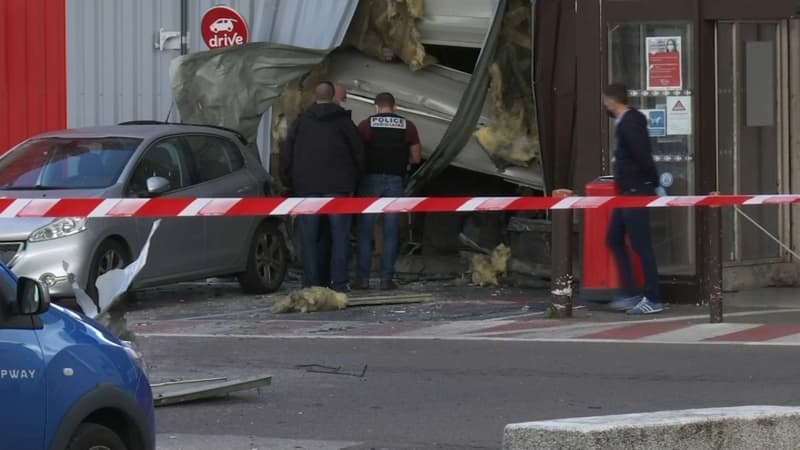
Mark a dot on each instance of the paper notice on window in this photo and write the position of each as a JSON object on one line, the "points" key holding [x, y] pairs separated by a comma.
{"points": [[679, 116], [656, 122], [664, 63]]}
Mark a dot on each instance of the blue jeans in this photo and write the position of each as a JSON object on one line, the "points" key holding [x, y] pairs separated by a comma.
{"points": [[339, 250], [635, 223], [377, 185]]}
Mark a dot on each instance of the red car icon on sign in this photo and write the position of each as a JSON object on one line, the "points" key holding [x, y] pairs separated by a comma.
{"points": [[222, 24]]}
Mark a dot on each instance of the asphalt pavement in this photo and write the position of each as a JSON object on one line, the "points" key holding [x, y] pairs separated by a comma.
{"points": [[445, 394], [442, 375]]}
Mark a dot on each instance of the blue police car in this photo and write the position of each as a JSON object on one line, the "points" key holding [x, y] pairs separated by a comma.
{"points": [[66, 382]]}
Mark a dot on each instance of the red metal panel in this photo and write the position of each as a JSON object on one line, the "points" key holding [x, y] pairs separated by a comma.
{"points": [[33, 68]]}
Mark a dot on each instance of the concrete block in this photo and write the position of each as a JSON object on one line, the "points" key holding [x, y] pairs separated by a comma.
{"points": [[737, 428]]}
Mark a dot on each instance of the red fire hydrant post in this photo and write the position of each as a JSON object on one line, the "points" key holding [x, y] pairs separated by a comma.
{"points": [[561, 257], [713, 263]]}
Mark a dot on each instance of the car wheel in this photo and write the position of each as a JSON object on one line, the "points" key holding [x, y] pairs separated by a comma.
{"points": [[109, 256], [91, 436], [267, 261]]}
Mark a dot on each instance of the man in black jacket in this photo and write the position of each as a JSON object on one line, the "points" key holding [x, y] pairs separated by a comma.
{"points": [[323, 156], [636, 175]]}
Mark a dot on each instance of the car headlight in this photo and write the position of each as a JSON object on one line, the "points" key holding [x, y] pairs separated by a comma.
{"points": [[59, 229], [134, 353]]}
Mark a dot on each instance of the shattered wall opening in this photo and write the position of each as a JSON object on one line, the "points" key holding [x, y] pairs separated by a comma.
{"points": [[459, 58], [383, 50], [513, 140], [385, 29]]}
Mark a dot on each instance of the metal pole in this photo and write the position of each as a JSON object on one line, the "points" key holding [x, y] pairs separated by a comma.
{"points": [[184, 27], [713, 264], [561, 254]]}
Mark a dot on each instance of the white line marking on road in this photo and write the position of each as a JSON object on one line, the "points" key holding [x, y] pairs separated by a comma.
{"points": [[456, 339], [699, 332]]}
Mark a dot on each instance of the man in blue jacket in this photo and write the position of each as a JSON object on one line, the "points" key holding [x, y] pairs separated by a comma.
{"points": [[636, 175]]}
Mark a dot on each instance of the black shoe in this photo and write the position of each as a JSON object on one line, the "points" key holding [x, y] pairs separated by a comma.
{"points": [[360, 285], [342, 289], [388, 285]]}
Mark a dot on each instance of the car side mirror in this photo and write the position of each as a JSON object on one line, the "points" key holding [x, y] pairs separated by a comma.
{"points": [[157, 185], [32, 297]]}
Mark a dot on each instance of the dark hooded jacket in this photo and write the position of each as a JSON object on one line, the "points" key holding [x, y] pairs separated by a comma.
{"points": [[323, 153], [634, 169]]}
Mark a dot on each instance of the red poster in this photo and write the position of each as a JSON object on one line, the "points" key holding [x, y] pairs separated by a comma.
{"points": [[664, 71]]}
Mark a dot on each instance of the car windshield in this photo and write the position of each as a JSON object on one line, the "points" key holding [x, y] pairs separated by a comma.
{"points": [[58, 163]]}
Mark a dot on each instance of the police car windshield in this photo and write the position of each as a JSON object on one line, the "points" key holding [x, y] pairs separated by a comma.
{"points": [[56, 163]]}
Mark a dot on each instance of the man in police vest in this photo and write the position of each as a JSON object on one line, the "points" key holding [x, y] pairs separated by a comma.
{"points": [[392, 144]]}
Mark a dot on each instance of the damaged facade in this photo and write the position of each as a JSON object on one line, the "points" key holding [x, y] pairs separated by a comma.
{"points": [[468, 85], [481, 121]]}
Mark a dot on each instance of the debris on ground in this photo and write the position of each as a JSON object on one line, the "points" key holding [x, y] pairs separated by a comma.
{"points": [[311, 300], [192, 390], [328, 370], [486, 269], [397, 299], [112, 288]]}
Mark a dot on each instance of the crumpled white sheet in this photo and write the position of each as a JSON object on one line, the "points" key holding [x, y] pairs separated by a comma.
{"points": [[112, 285]]}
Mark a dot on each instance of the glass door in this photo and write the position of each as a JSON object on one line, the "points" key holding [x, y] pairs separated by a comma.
{"points": [[655, 61], [751, 102]]}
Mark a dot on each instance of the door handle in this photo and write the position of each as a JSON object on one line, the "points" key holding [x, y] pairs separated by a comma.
{"points": [[244, 190]]}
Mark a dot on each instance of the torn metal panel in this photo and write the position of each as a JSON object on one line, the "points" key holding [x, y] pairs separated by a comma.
{"points": [[455, 23], [192, 390], [111, 289], [513, 138], [385, 29], [462, 126], [430, 98], [233, 87]]}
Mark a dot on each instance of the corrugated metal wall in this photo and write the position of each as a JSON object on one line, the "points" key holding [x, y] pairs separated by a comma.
{"points": [[32, 69], [115, 73]]}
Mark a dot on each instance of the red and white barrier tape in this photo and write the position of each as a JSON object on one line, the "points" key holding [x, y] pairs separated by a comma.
{"points": [[210, 207]]}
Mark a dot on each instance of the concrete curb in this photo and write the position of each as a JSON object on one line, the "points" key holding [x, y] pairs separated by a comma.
{"points": [[737, 428]]}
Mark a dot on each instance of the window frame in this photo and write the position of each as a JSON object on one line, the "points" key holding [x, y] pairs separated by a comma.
{"points": [[188, 160], [229, 142]]}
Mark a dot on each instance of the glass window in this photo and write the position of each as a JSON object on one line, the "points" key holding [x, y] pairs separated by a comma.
{"points": [[214, 157], [751, 126], [57, 163], [164, 159], [655, 62]]}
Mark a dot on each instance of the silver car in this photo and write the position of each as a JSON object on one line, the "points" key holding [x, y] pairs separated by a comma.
{"points": [[140, 159]]}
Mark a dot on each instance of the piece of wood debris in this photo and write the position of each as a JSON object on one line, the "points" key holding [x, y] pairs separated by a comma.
{"points": [[399, 299]]}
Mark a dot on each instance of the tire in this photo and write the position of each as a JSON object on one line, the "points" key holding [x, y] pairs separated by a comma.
{"points": [[91, 436], [267, 261], [110, 255]]}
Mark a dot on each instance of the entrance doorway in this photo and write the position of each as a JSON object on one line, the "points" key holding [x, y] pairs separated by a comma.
{"points": [[752, 127]]}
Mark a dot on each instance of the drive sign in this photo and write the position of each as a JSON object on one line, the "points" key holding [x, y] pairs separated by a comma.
{"points": [[224, 27]]}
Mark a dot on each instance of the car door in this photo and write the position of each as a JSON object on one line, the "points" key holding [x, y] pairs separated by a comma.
{"points": [[221, 171], [177, 250], [22, 376]]}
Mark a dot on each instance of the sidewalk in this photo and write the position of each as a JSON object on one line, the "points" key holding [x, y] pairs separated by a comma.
{"points": [[765, 317]]}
